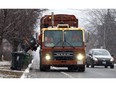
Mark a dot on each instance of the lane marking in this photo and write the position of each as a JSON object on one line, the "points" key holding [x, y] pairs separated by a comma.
{"points": [[64, 73], [67, 75]]}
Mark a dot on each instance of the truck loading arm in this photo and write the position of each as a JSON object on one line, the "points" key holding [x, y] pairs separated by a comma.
{"points": [[29, 44]]}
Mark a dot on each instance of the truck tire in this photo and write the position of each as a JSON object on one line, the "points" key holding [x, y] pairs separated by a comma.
{"points": [[44, 68], [70, 68], [81, 68], [73, 68], [41, 68]]}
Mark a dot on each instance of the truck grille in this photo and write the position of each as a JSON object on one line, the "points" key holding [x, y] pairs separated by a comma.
{"points": [[63, 55]]}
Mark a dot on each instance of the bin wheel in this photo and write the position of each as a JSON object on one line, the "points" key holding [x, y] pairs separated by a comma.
{"points": [[12, 68]]}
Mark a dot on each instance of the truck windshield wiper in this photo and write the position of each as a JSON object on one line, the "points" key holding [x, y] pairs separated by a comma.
{"points": [[57, 43], [63, 42], [69, 44]]}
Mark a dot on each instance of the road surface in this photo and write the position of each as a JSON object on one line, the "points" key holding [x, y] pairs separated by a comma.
{"points": [[56, 72], [97, 72]]}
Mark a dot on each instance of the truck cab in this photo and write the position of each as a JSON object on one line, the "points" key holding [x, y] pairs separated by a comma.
{"points": [[62, 47]]}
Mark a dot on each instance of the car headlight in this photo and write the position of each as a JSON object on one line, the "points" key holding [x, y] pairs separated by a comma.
{"points": [[95, 59], [80, 56], [112, 59], [47, 57]]}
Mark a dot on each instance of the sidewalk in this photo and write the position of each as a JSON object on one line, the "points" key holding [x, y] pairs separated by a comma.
{"points": [[6, 72]]}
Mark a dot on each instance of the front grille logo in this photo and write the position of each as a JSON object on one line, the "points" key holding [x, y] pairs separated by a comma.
{"points": [[63, 54]]}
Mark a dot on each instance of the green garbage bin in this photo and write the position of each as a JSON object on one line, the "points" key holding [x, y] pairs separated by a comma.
{"points": [[20, 60], [27, 60]]}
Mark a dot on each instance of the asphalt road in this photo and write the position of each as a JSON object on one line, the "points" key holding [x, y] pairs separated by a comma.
{"points": [[56, 72]]}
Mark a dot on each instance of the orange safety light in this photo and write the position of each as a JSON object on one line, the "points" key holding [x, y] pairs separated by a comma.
{"points": [[50, 17]]}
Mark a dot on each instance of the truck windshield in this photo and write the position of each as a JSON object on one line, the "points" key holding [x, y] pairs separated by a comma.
{"points": [[53, 37], [74, 37]]}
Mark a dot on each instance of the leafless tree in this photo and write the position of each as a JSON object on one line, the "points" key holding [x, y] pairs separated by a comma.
{"points": [[15, 24], [101, 24]]}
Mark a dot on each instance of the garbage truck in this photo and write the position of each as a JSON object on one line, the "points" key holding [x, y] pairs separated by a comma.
{"points": [[62, 42]]}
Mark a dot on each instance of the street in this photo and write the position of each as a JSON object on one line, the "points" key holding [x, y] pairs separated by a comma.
{"points": [[62, 72], [56, 72]]}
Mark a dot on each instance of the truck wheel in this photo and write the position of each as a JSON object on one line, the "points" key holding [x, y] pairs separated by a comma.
{"points": [[81, 68], [44, 68], [72, 68], [112, 66], [47, 68], [41, 68]]}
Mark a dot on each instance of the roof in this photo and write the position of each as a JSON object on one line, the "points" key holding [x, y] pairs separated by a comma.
{"points": [[98, 49]]}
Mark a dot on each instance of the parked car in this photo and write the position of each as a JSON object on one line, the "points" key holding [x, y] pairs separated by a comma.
{"points": [[99, 57]]}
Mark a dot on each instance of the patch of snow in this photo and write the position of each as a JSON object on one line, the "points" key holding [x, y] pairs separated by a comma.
{"points": [[35, 64], [5, 63]]}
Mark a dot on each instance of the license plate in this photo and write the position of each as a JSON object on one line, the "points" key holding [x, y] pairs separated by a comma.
{"points": [[103, 62], [80, 62]]}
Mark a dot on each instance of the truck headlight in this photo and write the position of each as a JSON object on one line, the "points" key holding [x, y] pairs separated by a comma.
{"points": [[80, 56], [47, 57]]}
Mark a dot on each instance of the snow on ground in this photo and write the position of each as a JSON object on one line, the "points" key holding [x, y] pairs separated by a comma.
{"points": [[2, 63], [6, 72], [36, 59]]}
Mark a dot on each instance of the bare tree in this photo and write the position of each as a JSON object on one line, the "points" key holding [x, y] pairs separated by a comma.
{"points": [[3, 27], [103, 23], [15, 24]]}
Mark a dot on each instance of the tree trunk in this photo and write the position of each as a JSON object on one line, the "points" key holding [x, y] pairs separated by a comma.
{"points": [[15, 46]]}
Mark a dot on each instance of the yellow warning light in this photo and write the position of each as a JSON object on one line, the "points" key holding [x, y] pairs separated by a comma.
{"points": [[50, 17]]}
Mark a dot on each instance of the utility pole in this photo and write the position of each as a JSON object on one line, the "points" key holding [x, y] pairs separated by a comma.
{"points": [[104, 42], [105, 27]]}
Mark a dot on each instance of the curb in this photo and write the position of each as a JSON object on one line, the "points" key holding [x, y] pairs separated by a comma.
{"points": [[26, 72]]}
